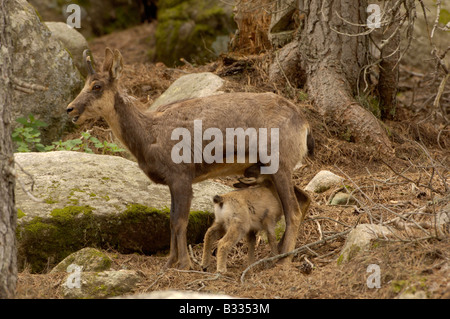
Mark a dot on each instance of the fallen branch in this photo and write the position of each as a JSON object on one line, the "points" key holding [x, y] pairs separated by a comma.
{"points": [[293, 252]]}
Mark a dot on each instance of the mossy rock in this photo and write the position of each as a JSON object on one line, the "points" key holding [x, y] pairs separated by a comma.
{"points": [[90, 259], [97, 201], [43, 242], [102, 284], [190, 29]]}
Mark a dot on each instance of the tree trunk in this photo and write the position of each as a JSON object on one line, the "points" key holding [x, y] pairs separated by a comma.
{"points": [[330, 61], [8, 215], [389, 68]]}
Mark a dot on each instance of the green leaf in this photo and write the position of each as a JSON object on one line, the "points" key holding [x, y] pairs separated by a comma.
{"points": [[22, 120], [39, 123], [23, 148], [40, 147]]}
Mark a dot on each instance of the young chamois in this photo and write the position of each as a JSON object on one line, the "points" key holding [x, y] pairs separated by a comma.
{"points": [[242, 213], [152, 138]]}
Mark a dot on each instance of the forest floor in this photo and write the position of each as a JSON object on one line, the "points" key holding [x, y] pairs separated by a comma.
{"points": [[413, 183]]}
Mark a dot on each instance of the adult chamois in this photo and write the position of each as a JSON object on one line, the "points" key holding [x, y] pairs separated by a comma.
{"points": [[153, 137]]}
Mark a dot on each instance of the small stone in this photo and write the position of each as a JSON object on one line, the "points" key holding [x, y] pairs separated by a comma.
{"points": [[323, 181], [343, 199], [359, 240], [100, 284], [416, 295], [90, 259]]}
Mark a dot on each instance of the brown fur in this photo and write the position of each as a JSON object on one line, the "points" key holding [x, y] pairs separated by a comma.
{"points": [[242, 213], [148, 136]]}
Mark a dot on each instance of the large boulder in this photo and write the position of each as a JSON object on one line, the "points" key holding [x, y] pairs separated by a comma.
{"points": [[97, 201], [72, 40], [41, 59], [190, 86]]}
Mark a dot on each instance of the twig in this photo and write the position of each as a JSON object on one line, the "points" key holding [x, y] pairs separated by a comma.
{"points": [[436, 21], [293, 252], [26, 87], [38, 200], [324, 217], [284, 74], [192, 255], [320, 229]]}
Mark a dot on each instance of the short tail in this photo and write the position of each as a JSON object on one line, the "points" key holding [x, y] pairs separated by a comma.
{"points": [[303, 200], [218, 199]]}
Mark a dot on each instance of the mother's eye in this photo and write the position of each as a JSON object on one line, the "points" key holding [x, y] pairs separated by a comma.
{"points": [[96, 87]]}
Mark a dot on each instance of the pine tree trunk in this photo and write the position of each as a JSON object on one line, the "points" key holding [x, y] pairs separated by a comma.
{"points": [[8, 215], [330, 62], [389, 69]]}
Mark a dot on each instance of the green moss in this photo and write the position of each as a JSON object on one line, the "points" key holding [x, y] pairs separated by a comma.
{"points": [[46, 241], [50, 200], [136, 212], [353, 251], [348, 135], [68, 213], [124, 17], [92, 260], [410, 285], [302, 95], [187, 28], [340, 259], [370, 103], [398, 285], [20, 213]]}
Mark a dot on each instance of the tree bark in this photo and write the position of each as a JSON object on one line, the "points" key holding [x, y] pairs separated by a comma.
{"points": [[8, 215], [331, 61], [389, 68]]}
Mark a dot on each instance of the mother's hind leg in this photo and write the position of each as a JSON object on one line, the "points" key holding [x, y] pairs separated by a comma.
{"points": [[285, 189]]}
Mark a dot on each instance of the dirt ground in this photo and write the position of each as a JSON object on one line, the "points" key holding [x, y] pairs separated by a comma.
{"points": [[413, 183]]}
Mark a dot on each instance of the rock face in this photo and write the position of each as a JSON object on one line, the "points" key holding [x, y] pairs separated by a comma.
{"points": [[192, 29], [98, 201], [40, 59], [190, 86], [323, 181], [72, 40]]}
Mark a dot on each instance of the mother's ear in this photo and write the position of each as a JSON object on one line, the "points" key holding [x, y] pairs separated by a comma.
{"points": [[113, 63]]}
